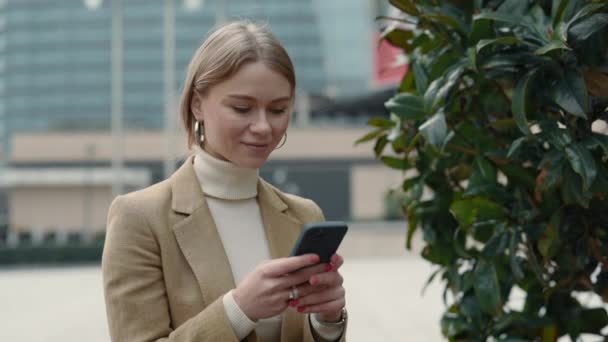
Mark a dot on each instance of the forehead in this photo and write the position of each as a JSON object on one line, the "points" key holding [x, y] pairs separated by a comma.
{"points": [[255, 80]]}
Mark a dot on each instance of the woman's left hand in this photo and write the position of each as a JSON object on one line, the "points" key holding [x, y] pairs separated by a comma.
{"points": [[324, 293]]}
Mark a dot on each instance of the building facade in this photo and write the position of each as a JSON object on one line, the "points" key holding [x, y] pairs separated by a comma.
{"points": [[55, 56]]}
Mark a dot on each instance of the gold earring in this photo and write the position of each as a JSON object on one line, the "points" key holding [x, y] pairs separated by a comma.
{"points": [[283, 143], [199, 131]]}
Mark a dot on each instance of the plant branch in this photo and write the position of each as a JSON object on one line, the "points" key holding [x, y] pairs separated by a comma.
{"points": [[597, 253]]}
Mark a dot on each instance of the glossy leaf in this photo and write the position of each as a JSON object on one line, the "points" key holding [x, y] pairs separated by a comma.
{"points": [[406, 106], [570, 93], [407, 6], [513, 258], [452, 325], [572, 190], [582, 162], [521, 105], [487, 288], [549, 243], [395, 163], [560, 12], [516, 146], [370, 136], [422, 79], [583, 29], [435, 129], [552, 46], [484, 43], [380, 122], [477, 209], [397, 37], [381, 143]]}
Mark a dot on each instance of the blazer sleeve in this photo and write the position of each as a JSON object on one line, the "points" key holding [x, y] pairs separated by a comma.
{"points": [[136, 302]]}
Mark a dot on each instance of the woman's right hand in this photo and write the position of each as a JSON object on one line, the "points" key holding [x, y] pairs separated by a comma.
{"points": [[265, 291]]}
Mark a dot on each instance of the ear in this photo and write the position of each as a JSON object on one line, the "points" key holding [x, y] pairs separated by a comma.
{"points": [[196, 107]]}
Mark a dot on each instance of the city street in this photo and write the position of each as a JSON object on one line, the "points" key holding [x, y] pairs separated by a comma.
{"points": [[382, 280]]}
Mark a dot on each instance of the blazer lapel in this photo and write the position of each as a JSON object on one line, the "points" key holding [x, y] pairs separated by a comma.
{"points": [[282, 231], [197, 236]]}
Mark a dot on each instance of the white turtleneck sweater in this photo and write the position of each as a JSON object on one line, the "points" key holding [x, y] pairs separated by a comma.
{"points": [[231, 193]]}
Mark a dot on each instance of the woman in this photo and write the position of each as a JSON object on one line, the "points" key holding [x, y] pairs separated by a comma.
{"points": [[202, 256]]}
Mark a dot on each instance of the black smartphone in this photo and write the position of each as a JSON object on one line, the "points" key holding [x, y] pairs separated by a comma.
{"points": [[321, 238]]}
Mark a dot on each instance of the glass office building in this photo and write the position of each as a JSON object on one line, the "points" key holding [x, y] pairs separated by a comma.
{"points": [[55, 55]]}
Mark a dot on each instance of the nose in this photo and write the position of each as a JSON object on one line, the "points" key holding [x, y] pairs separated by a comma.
{"points": [[261, 125]]}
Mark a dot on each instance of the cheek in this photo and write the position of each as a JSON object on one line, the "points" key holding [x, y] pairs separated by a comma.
{"points": [[280, 126]]}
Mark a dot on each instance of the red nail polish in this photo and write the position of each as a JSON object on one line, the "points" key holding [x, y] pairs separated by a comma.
{"points": [[328, 267], [294, 302], [301, 309]]}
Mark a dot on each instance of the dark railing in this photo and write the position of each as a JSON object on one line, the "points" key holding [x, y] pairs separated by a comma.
{"points": [[49, 247]]}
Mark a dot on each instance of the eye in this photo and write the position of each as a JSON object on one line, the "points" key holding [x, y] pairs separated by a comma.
{"points": [[242, 110], [278, 110]]}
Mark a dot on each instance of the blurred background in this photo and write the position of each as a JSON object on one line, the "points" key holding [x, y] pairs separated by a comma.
{"points": [[88, 110]]}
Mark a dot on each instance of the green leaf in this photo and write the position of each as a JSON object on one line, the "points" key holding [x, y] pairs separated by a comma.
{"points": [[497, 243], [397, 37], [487, 289], [513, 262], [477, 209], [407, 6], [395, 163], [452, 324], [552, 46], [496, 41], [516, 146], [560, 12], [422, 79], [437, 93], [597, 140], [520, 105], [558, 137], [370, 136], [447, 20], [406, 106], [582, 162], [584, 29], [554, 175], [435, 129], [549, 243], [572, 190], [506, 18], [380, 122], [485, 169], [481, 29], [380, 144], [570, 93]]}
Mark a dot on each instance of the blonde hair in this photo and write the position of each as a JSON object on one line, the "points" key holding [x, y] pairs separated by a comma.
{"points": [[222, 54]]}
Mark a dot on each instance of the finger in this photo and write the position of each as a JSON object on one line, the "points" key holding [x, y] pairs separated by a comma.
{"points": [[327, 295], [303, 291], [328, 278], [279, 267], [336, 261], [331, 306], [303, 275]]}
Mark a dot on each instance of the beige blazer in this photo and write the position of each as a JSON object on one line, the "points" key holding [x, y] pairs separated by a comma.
{"points": [[165, 269]]}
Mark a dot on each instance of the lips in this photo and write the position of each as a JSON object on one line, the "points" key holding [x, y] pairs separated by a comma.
{"points": [[256, 145]]}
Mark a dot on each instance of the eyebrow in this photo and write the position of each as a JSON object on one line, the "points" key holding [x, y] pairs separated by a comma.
{"points": [[251, 98]]}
